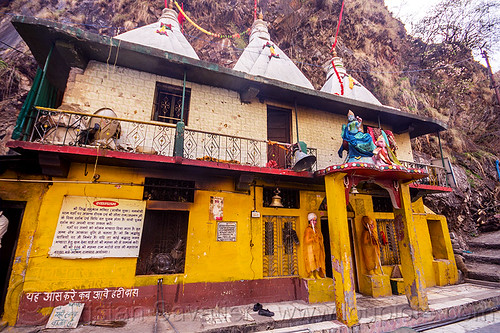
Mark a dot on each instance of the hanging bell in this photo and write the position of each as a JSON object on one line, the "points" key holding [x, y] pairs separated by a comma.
{"points": [[276, 200], [302, 161]]}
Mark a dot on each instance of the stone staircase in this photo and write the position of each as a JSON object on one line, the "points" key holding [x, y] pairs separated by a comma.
{"points": [[483, 261]]}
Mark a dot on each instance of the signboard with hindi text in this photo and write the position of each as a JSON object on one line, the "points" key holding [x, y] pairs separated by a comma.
{"points": [[98, 227], [226, 231]]}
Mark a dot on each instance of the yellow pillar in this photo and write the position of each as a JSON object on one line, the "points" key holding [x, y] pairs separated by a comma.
{"points": [[343, 285], [411, 260]]}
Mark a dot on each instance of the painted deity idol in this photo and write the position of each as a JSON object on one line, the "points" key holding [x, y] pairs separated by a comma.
{"points": [[359, 145], [380, 154], [370, 246], [314, 250]]}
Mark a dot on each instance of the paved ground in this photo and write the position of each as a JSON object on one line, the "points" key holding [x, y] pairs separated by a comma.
{"points": [[382, 314], [489, 323]]}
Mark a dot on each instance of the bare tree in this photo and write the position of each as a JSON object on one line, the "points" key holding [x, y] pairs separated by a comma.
{"points": [[469, 24]]}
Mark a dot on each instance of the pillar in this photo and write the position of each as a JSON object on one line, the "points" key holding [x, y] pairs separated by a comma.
{"points": [[409, 252], [343, 279]]}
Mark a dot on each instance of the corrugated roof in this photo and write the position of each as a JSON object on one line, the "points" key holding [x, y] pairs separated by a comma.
{"points": [[165, 35], [264, 58]]}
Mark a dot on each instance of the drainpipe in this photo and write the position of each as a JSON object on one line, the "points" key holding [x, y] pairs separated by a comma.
{"points": [[179, 129], [442, 158], [42, 81]]}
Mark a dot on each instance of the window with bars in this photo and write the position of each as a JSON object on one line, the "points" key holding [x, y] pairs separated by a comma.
{"points": [[168, 190], [280, 246], [290, 198], [389, 250], [168, 103], [163, 243], [382, 205]]}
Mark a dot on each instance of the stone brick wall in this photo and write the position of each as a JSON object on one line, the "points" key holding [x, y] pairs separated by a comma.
{"points": [[130, 94]]}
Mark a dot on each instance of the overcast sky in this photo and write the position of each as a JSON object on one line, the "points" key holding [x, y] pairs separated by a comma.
{"points": [[412, 10]]}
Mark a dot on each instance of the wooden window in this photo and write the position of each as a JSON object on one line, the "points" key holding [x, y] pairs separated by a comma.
{"points": [[279, 246], [163, 243], [168, 103]]}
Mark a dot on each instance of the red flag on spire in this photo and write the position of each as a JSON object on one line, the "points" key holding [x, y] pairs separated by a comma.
{"points": [[181, 18]]}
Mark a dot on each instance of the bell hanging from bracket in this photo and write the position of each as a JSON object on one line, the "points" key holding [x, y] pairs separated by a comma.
{"points": [[302, 161], [276, 200]]}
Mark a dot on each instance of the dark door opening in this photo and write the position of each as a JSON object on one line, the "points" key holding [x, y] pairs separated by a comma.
{"points": [[278, 130], [14, 211], [350, 223], [326, 242]]}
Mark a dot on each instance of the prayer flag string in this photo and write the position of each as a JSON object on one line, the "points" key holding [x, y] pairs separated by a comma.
{"points": [[236, 35]]}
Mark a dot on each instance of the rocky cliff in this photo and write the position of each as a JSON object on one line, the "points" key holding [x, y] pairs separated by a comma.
{"points": [[400, 70]]}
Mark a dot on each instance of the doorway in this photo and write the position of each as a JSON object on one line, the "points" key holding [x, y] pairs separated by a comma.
{"points": [[278, 130], [326, 242], [328, 253], [14, 211]]}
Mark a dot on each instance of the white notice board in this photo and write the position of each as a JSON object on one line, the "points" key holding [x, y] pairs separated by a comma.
{"points": [[98, 227]]}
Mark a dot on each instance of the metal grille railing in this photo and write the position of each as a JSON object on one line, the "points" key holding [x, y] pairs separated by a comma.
{"points": [[223, 148], [389, 250], [69, 128], [437, 174], [279, 247]]}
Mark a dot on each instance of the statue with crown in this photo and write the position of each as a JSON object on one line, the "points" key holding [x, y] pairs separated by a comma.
{"points": [[359, 145], [363, 147]]}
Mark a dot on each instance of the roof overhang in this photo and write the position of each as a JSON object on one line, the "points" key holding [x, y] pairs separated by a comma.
{"points": [[75, 48]]}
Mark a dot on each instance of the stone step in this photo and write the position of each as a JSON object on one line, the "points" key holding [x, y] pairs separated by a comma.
{"points": [[489, 240], [486, 272], [323, 327], [483, 245], [489, 256]]}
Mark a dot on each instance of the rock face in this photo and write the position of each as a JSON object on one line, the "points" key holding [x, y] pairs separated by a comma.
{"points": [[399, 70]]}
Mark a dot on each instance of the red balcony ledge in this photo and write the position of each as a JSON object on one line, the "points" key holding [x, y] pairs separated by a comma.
{"points": [[131, 159]]}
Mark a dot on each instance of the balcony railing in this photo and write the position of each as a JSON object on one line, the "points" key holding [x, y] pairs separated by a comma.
{"points": [[437, 174], [68, 128]]}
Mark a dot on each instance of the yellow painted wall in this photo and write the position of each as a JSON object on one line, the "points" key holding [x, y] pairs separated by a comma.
{"points": [[204, 255], [32, 194], [362, 205]]}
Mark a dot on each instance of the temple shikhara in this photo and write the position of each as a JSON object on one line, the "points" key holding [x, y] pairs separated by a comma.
{"points": [[140, 166]]}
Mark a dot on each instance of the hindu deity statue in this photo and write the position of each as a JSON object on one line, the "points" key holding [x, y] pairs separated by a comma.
{"points": [[314, 250], [380, 154], [359, 145], [370, 246]]}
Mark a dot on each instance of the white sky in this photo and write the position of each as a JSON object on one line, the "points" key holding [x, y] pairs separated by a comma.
{"points": [[412, 10]]}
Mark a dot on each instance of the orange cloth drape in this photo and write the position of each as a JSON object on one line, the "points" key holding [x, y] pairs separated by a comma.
{"points": [[314, 251]]}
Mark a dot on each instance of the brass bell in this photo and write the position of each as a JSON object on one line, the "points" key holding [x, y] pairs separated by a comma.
{"points": [[276, 202]]}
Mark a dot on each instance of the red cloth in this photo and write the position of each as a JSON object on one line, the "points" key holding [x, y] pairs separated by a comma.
{"points": [[181, 18]]}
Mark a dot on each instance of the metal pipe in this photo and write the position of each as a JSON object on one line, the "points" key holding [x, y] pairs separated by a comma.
{"points": [[442, 158], [40, 87], [297, 122], [183, 96], [89, 182]]}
